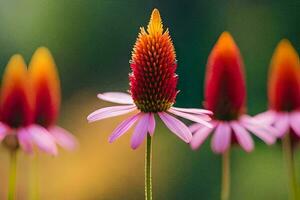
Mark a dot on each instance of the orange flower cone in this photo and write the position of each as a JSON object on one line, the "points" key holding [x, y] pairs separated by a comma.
{"points": [[284, 91], [225, 96], [46, 96], [16, 111]]}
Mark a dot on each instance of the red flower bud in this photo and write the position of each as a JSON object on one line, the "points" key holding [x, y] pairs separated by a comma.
{"points": [[46, 87], [153, 80], [284, 78], [16, 102], [225, 91]]}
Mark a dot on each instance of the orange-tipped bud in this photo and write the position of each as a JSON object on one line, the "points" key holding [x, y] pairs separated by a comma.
{"points": [[46, 87], [284, 78], [153, 80], [225, 91], [16, 102]]}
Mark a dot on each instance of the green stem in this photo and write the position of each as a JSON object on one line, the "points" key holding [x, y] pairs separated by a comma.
{"points": [[290, 166], [148, 169], [34, 178], [12, 175], [225, 190]]}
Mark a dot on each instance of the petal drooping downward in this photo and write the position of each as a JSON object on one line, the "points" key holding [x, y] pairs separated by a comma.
{"points": [[46, 87], [284, 78], [176, 126], [16, 101], [225, 91], [140, 131], [153, 80]]}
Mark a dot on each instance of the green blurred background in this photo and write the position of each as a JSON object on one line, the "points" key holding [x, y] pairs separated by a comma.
{"points": [[91, 41]]}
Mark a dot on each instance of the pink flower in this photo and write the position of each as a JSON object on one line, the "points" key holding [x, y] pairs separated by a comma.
{"points": [[152, 90], [46, 97], [16, 107], [29, 105], [284, 92], [225, 96]]}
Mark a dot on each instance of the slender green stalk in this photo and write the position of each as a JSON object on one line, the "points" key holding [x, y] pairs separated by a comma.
{"points": [[12, 175], [148, 169], [34, 178], [290, 166], [225, 190]]}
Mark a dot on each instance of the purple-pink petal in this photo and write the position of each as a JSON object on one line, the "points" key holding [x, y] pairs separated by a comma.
{"points": [[222, 138], [123, 127], [200, 136], [264, 132], [295, 122], [282, 123], [3, 131], [176, 126], [196, 118], [63, 137], [43, 139], [194, 127], [108, 112], [116, 97], [267, 117], [25, 140], [242, 136], [140, 131], [194, 111], [151, 127]]}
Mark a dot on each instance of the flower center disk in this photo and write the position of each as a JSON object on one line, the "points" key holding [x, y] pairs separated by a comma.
{"points": [[153, 80]]}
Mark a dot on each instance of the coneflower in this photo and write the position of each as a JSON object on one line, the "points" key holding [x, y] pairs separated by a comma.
{"points": [[152, 92], [16, 114], [225, 96], [284, 104], [46, 97]]}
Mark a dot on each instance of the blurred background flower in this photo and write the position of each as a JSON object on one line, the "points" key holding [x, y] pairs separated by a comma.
{"points": [[91, 40]]}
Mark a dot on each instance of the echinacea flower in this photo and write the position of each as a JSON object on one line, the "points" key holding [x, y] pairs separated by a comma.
{"points": [[46, 97], [225, 96], [152, 89], [284, 105], [16, 111], [284, 92]]}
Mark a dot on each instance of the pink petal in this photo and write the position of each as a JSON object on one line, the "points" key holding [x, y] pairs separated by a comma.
{"points": [[266, 117], [243, 137], [199, 137], [222, 138], [3, 131], [295, 122], [25, 141], [264, 132], [151, 127], [176, 126], [116, 97], [282, 124], [195, 118], [123, 127], [108, 112], [193, 111], [43, 139], [63, 137], [140, 131], [194, 127]]}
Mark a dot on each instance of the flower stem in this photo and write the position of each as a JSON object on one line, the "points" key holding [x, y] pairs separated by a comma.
{"points": [[290, 166], [12, 175], [225, 190], [34, 178], [148, 169]]}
